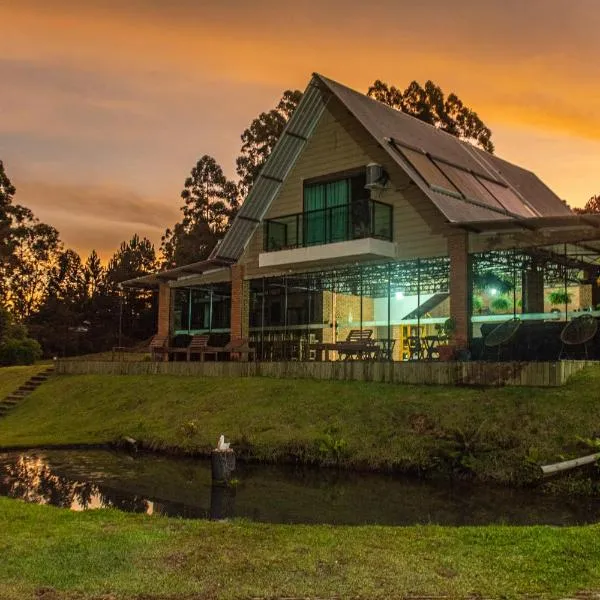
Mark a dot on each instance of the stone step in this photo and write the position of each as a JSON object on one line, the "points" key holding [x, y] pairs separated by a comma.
{"points": [[39, 379], [10, 402]]}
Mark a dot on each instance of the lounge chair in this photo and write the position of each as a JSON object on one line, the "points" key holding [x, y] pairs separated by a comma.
{"points": [[578, 332], [199, 345], [501, 336]]}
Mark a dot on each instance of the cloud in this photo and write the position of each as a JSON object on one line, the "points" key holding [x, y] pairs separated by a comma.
{"points": [[135, 91], [99, 216]]}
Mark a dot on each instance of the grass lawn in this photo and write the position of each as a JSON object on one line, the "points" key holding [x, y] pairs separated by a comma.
{"points": [[495, 434], [13, 377], [52, 553]]}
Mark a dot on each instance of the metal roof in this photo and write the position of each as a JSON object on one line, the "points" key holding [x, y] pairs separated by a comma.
{"points": [[283, 157], [465, 183], [197, 268], [470, 187], [518, 191]]}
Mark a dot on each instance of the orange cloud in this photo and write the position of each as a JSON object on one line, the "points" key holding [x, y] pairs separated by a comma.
{"points": [[136, 91], [98, 216]]}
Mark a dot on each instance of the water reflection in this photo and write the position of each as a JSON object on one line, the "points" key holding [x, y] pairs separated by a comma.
{"points": [[31, 478], [182, 487]]}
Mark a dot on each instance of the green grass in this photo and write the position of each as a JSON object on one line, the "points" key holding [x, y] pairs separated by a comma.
{"points": [[494, 434], [13, 377], [98, 553]]}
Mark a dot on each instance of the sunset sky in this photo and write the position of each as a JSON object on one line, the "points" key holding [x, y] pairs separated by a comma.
{"points": [[106, 105]]}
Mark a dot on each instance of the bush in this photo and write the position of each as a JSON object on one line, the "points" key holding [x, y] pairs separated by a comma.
{"points": [[19, 351]]}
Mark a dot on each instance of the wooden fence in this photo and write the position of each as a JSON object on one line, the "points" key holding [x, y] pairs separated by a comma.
{"points": [[540, 374]]}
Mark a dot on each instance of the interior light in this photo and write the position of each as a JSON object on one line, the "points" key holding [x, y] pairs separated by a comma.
{"points": [[399, 295]]}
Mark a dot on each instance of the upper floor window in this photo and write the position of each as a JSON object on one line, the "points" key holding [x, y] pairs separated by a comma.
{"points": [[334, 210]]}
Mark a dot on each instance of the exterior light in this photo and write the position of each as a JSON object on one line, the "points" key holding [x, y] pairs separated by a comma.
{"points": [[399, 295], [493, 291]]}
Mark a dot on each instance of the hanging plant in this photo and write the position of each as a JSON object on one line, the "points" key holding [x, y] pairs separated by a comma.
{"points": [[559, 298], [500, 304], [488, 280]]}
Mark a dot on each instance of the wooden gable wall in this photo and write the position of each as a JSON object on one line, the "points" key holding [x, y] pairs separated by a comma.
{"points": [[340, 143]]}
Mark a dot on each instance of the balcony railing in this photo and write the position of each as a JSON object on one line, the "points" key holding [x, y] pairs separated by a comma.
{"points": [[358, 220]]}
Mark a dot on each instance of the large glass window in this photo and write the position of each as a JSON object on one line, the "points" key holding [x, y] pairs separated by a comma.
{"points": [[334, 209], [202, 309]]}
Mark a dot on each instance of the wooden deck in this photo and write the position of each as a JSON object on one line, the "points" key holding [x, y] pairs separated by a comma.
{"points": [[537, 374]]}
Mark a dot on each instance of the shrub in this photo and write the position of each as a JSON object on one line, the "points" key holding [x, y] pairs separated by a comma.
{"points": [[19, 351]]}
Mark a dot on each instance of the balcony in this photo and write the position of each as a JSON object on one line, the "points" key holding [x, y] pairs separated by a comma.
{"points": [[362, 229]]}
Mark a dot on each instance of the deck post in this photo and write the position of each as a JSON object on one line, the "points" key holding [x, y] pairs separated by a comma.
{"points": [[460, 287], [240, 304], [165, 314]]}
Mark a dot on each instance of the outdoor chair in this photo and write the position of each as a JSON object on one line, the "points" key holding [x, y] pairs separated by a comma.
{"points": [[240, 347], [158, 347], [578, 332], [501, 336], [199, 345], [359, 344]]}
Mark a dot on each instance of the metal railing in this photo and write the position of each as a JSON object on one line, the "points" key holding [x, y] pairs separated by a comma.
{"points": [[361, 219]]}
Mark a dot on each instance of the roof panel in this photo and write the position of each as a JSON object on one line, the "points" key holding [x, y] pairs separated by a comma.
{"points": [[235, 241], [509, 199], [460, 211], [427, 169], [384, 122], [276, 169], [469, 186]]}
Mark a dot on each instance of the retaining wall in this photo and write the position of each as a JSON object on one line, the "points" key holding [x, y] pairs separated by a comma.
{"points": [[541, 374]]}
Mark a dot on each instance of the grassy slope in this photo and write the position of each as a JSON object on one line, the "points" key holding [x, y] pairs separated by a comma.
{"points": [[13, 377], [490, 432], [107, 552]]}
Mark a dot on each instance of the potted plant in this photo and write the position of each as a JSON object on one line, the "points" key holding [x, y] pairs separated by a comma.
{"points": [[447, 349]]}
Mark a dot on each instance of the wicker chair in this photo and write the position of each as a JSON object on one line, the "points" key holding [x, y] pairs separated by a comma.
{"points": [[501, 336], [578, 332]]}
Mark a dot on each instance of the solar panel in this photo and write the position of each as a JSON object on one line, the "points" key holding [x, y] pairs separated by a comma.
{"points": [[508, 199], [469, 185], [427, 170]]}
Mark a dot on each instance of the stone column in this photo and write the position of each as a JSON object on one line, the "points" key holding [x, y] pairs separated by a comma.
{"points": [[460, 287]]}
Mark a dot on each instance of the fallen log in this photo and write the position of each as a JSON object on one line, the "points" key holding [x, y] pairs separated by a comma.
{"points": [[567, 465]]}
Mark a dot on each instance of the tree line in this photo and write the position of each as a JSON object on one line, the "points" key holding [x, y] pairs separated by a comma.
{"points": [[75, 305]]}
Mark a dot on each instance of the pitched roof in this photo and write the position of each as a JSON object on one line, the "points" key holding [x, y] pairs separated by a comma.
{"points": [[465, 183]]}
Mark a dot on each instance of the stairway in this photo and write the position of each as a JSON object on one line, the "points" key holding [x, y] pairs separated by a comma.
{"points": [[29, 386]]}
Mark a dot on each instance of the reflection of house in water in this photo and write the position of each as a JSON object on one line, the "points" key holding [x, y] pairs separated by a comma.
{"points": [[360, 209]]}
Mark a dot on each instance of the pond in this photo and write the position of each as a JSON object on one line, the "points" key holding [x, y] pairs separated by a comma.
{"points": [[153, 484]]}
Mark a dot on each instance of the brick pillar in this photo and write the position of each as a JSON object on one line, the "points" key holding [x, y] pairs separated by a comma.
{"points": [[240, 303], [164, 309], [460, 287], [589, 294], [533, 291]]}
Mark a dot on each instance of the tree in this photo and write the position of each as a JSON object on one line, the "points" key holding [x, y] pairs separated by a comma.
{"points": [[133, 259], [28, 250], [7, 191], [210, 201], [429, 104], [259, 139], [592, 206]]}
